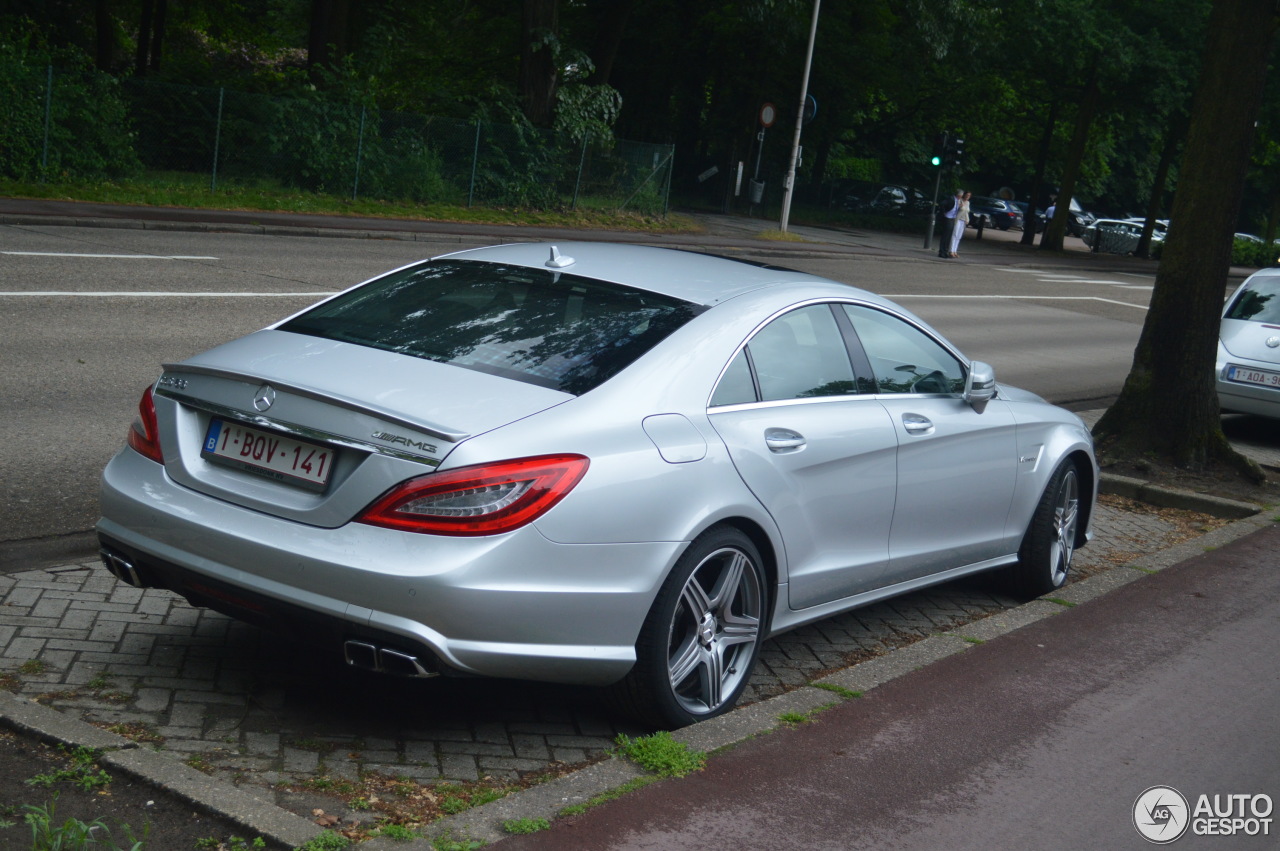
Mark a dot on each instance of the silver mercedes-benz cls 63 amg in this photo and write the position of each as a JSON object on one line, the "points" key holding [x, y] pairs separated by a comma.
{"points": [[588, 463]]}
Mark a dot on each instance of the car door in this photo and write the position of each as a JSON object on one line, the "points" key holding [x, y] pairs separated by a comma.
{"points": [[956, 467], [817, 450]]}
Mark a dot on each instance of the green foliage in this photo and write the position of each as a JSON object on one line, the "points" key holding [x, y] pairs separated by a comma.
{"points": [[398, 832], [662, 754], [74, 835], [1246, 252], [83, 771], [89, 134], [327, 841], [525, 825]]}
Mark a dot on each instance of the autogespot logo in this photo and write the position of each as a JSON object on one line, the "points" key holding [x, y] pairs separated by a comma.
{"points": [[1160, 814]]}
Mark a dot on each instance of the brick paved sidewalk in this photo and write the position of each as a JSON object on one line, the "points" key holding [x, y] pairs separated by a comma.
{"points": [[240, 704]]}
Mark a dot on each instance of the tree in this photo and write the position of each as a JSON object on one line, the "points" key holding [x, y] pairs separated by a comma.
{"points": [[1168, 404], [538, 72]]}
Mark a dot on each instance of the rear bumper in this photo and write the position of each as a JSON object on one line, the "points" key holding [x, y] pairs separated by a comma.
{"points": [[514, 605]]}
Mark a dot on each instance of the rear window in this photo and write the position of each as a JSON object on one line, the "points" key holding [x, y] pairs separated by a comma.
{"points": [[1260, 302], [541, 327]]}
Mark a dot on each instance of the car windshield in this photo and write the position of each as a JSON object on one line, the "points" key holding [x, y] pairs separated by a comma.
{"points": [[541, 327], [1259, 303]]}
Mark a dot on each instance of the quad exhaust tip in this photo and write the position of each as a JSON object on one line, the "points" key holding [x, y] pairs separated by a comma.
{"points": [[383, 660], [121, 568]]}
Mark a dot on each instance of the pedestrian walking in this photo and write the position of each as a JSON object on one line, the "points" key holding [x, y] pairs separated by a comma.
{"points": [[947, 222], [961, 221]]}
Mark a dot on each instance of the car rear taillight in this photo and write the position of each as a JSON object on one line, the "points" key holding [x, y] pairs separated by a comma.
{"points": [[144, 434], [485, 499]]}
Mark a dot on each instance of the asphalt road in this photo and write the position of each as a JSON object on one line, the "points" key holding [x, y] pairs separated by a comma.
{"points": [[90, 314], [1043, 738]]}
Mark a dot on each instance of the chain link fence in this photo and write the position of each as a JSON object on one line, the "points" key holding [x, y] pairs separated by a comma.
{"points": [[243, 140]]}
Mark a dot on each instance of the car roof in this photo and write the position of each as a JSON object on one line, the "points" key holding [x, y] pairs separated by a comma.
{"points": [[689, 275]]}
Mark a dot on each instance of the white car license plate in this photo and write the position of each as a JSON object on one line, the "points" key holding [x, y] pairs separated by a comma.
{"points": [[272, 455], [1253, 376]]}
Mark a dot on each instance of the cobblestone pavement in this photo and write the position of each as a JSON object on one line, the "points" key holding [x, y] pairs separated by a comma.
{"points": [[239, 703]]}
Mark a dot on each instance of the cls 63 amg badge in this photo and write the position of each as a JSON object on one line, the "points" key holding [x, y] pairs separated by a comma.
{"points": [[400, 439]]}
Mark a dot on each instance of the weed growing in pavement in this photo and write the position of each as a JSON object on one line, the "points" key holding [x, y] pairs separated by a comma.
{"points": [[661, 754], [200, 762], [1066, 604], [525, 825], [840, 690], [100, 682], [395, 831], [327, 841], [233, 843], [32, 667], [9, 682], [793, 718], [448, 843], [611, 795], [135, 731], [83, 771], [972, 640]]}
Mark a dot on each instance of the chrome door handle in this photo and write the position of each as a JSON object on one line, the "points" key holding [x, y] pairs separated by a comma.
{"points": [[783, 439], [917, 424]]}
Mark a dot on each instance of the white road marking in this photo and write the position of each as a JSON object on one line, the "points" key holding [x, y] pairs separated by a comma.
{"points": [[113, 256], [1028, 297]]}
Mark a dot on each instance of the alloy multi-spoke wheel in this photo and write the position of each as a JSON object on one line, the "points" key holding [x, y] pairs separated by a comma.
{"points": [[699, 644], [714, 631], [1050, 541]]}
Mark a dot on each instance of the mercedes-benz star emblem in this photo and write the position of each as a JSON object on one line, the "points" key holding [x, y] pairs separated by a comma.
{"points": [[264, 398]]}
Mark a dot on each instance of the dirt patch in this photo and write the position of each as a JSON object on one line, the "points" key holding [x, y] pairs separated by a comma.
{"points": [[38, 781]]}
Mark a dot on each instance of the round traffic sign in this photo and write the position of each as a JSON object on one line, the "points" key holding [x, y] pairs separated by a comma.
{"points": [[768, 114]]}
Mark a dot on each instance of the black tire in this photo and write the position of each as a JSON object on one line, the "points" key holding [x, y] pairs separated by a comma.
{"points": [[699, 643], [1044, 560]]}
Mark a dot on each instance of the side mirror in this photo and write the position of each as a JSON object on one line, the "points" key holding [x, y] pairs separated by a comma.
{"points": [[980, 385]]}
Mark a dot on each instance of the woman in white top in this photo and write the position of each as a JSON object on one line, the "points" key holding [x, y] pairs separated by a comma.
{"points": [[962, 222]]}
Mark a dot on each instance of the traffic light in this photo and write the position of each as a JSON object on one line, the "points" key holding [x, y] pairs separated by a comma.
{"points": [[957, 151], [939, 149]]}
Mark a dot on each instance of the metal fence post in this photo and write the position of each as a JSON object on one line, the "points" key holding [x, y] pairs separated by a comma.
{"points": [[355, 188], [581, 161], [475, 159], [666, 190], [217, 141], [48, 110]]}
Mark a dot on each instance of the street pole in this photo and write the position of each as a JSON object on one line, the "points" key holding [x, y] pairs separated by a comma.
{"points": [[788, 183]]}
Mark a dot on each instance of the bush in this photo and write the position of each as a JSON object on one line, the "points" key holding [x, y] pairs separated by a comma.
{"points": [[89, 135]]}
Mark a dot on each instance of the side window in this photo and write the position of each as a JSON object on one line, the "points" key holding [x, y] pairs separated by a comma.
{"points": [[904, 358], [735, 385], [801, 355]]}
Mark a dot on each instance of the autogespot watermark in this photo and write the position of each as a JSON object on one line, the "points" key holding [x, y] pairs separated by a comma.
{"points": [[1162, 814]]}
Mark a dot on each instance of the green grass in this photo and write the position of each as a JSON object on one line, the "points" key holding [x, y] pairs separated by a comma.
{"points": [[662, 754], [1061, 602], [177, 189], [835, 689], [83, 771], [525, 825], [611, 795]]}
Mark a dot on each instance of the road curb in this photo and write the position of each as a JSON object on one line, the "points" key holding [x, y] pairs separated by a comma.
{"points": [[1162, 497]]}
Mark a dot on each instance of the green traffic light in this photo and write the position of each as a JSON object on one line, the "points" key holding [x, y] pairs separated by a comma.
{"points": [[936, 160]]}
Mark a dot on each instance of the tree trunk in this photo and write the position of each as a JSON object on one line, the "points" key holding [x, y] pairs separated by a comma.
{"points": [[327, 36], [1042, 159], [143, 49], [1155, 205], [1056, 230], [537, 81], [1169, 405], [608, 37], [104, 36], [157, 34]]}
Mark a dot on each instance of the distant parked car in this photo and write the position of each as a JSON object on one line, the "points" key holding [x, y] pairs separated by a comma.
{"points": [[1248, 366], [995, 212], [883, 199], [1037, 220], [1117, 236]]}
